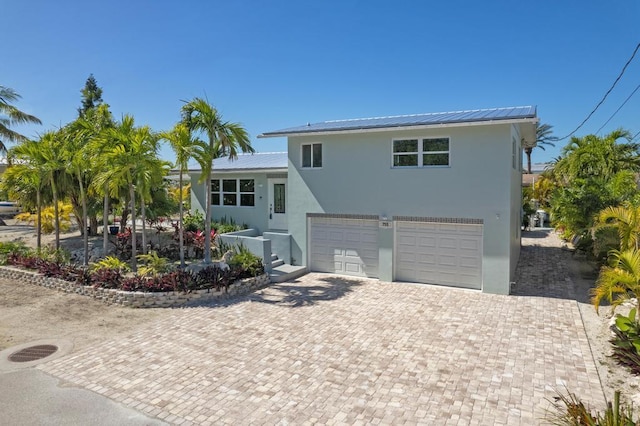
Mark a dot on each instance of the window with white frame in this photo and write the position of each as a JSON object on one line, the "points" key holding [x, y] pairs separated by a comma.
{"points": [[233, 192], [421, 152], [312, 155]]}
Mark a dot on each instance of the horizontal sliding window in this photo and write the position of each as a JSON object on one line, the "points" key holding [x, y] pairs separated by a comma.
{"points": [[426, 152]]}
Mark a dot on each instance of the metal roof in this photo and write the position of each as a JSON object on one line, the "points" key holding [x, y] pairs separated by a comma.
{"points": [[256, 161], [430, 119]]}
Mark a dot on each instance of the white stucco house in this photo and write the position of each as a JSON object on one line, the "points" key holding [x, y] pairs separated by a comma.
{"points": [[427, 198]]}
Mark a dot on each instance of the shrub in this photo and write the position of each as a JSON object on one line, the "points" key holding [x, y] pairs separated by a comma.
{"points": [[570, 410], [111, 262], [51, 254], [47, 217], [153, 264], [193, 221], [626, 343], [9, 248], [212, 277], [246, 263], [106, 278]]}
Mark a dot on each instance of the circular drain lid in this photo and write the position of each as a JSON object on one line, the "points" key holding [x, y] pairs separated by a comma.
{"points": [[33, 353]]}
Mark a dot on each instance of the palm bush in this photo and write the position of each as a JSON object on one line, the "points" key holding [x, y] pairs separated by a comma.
{"points": [[569, 410]]}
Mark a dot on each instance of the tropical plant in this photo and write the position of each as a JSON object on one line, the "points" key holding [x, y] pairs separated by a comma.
{"points": [[47, 218], [543, 137], [593, 173], [225, 139], [569, 410], [626, 220], [248, 264], [11, 115], [185, 147], [620, 280], [9, 248], [153, 264], [131, 161], [626, 343], [111, 262], [193, 221]]}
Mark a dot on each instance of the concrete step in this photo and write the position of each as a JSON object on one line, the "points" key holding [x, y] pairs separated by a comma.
{"points": [[274, 257], [286, 272], [277, 263]]}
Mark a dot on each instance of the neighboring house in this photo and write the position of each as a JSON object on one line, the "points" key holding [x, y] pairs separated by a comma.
{"points": [[428, 198], [528, 179]]}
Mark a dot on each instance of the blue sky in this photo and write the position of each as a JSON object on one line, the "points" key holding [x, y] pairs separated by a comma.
{"points": [[277, 64]]}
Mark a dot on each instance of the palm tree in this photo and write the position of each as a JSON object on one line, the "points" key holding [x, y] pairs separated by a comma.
{"points": [[52, 153], [130, 161], [10, 115], [620, 280], [627, 221], [185, 147], [543, 137], [25, 179], [86, 141], [225, 139]]}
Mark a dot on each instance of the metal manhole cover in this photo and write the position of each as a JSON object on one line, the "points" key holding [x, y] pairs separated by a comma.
{"points": [[33, 353]]}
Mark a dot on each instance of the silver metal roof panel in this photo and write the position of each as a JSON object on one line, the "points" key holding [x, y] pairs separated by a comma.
{"points": [[470, 116], [256, 161]]}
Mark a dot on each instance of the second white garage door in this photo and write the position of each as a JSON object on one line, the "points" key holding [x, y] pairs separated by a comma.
{"points": [[439, 253], [344, 246]]}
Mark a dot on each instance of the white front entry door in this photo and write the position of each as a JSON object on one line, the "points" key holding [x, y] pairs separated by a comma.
{"points": [[278, 204]]}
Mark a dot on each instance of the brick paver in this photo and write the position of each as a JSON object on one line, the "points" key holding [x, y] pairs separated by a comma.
{"points": [[335, 350]]}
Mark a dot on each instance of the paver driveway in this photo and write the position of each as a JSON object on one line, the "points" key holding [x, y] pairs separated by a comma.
{"points": [[334, 350]]}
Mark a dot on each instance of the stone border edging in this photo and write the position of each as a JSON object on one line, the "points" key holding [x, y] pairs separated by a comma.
{"points": [[137, 299]]}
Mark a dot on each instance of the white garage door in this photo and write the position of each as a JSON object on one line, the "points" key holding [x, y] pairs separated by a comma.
{"points": [[344, 246], [439, 253]]}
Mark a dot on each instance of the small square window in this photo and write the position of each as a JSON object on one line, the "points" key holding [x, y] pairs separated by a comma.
{"points": [[215, 198], [229, 185], [312, 155], [247, 200], [230, 199]]}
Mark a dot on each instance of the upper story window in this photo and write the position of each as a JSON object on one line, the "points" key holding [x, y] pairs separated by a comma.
{"points": [[312, 155], [233, 192], [423, 152]]}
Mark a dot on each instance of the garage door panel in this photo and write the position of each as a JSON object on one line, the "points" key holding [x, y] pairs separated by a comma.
{"points": [[439, 253], [351, 246]]}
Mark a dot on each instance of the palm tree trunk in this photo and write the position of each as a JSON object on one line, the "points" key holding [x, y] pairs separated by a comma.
{"points": [[134, 265], [143, 212], [180, 230], [105, 220], [528, 151], [85, 239], [207, 221], [38, 220], [56, 212]]}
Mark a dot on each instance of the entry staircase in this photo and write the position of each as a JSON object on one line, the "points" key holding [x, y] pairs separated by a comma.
{"points": [[281, 272]]}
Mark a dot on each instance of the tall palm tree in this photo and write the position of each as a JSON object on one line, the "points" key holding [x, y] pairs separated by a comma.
{"points": [[185, 147], [130, 162], [543, 137], [10, 115], [25, 179], [86, 142], [52, 152], [225, 139]]}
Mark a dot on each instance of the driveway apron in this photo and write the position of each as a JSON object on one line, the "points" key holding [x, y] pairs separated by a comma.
{"points": [[335, 350]]}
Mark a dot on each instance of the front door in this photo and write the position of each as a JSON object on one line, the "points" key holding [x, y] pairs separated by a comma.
{"points": [[278, 204]]}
